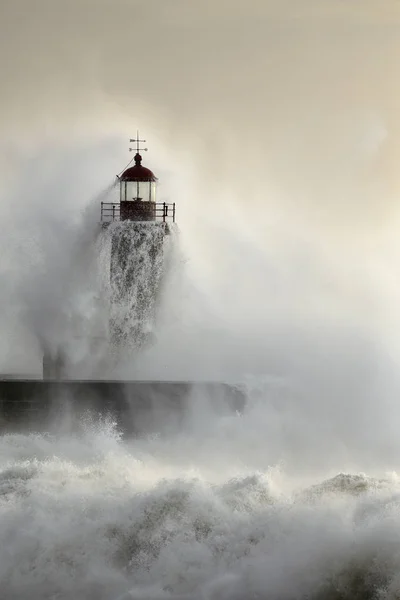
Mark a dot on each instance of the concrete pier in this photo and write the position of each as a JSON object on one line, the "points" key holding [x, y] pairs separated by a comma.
{"points": [[136, 406]]}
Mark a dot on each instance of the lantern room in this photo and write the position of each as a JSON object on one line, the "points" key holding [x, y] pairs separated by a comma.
{"points": [[138, 183], [138, 192]]}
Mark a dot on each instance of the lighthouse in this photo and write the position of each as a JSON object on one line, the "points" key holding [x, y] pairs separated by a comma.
{"points": [[135, 230], [137, 225]]}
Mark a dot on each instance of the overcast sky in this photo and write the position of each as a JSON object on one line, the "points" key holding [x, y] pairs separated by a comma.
{"points": [[296, 88]]}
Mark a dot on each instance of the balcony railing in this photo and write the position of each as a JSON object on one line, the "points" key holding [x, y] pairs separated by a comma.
{"points": [[163, 212]]}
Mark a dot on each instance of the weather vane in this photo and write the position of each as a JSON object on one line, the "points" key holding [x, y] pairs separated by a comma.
{"points": [[138, 141]]}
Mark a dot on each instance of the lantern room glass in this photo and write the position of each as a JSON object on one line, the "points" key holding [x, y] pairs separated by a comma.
{"points": [[135, 190]]}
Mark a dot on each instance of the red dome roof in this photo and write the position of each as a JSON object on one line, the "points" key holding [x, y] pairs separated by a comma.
{"points": [[137, 172]]}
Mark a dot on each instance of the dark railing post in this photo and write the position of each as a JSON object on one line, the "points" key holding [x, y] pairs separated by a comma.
{"points": [[101, 218], [173, 213], [113, 212], [164, 212]]}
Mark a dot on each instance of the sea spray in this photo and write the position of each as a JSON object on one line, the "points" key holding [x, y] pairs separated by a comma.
{"points": [[203, 514]]}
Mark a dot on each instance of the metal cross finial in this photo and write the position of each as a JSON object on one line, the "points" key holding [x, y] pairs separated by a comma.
{"points": [[137, 141]]}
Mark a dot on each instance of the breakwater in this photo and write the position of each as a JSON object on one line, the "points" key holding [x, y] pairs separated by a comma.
{"points": [[135, 406]]}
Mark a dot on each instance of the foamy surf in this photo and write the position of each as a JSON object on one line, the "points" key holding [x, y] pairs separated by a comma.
{"points": [[93, 517]]}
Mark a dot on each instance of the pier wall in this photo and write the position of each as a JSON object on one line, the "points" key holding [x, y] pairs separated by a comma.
{"points": [[135, 406]]}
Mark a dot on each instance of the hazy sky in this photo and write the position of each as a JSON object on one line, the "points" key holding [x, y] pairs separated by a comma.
{"points": [[298, 90]]}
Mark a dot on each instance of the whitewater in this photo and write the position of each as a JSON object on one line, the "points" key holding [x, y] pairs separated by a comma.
{"points": [[230, 507]]}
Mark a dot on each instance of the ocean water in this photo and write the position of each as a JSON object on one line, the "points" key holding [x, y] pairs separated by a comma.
{"points": [[235, 507]]}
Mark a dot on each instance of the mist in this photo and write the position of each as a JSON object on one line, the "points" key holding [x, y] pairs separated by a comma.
{"points": [[275, 129], [274, 126]]}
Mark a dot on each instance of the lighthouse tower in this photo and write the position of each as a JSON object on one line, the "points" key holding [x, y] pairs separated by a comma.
{"points": [[134, 229], [138, 226]]}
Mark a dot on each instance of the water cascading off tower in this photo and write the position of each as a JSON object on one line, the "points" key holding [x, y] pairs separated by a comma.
{"points": [[92, 341], [137, 226]]}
